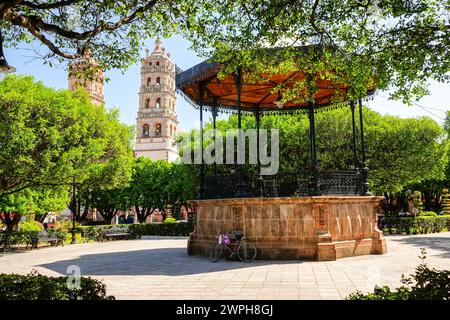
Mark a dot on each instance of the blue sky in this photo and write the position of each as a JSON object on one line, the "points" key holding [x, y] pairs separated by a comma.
{"points": [[122, 89]]}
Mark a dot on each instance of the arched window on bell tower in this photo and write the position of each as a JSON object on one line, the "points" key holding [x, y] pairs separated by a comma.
{"points": [[149, 80], [158, 103], [145, 130], [147, 103], [158, 81], [158, 129]]}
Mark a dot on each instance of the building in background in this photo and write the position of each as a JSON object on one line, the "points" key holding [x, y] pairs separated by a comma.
{"points": [[156, 121], [85, 72]]}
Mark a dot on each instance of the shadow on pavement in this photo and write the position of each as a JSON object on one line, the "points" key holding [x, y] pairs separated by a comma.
{"points": [[435, 243], [158, 261]]}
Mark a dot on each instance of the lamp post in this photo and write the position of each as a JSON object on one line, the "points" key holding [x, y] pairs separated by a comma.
{"points": [[74, 212], [4, 66]]}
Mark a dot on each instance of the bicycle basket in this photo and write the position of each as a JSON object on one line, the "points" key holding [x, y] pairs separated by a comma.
{"points": [[226, 239]]}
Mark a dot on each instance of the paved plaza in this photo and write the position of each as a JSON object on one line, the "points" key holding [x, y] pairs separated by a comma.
{"points": [[159, 268]]}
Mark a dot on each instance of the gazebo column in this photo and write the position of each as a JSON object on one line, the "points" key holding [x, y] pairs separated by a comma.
{"points": [[315, 184], [364, 168], [355, 148], [258, 161], [257, 119], [201, 191], [214, 115], [241, 185]]}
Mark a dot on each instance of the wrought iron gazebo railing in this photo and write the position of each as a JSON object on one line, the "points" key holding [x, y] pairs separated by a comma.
{"points": [[287, 184], [340, 183]]}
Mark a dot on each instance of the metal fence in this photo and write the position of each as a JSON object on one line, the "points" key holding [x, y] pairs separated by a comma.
{"points": [[286, 184]]}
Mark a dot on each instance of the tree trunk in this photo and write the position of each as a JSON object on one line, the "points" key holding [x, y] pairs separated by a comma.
{"points": [[11, 222], [387, 203], [141, 217], [85, 212], [107, 215], [176, 211], [40, 217]]}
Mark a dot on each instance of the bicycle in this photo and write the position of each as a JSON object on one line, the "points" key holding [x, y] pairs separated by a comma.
{"points": [[243, 249]]}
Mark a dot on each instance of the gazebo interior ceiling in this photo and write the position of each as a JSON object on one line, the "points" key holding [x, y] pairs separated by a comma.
{"points": [[259, 95]]}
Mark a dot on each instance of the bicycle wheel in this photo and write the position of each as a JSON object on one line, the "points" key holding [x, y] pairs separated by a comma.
{"points": [[246, 251], [216, 253]]}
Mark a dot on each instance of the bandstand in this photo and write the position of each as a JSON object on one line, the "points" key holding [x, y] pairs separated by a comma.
{"points": [[303, 214]]}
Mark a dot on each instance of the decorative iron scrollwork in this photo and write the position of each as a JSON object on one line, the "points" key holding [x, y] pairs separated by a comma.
{"points": [[287, 184]]}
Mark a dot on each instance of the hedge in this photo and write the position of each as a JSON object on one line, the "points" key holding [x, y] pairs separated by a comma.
{"points": [[416, 225], [94, 233], [38, 287], [164, 229], [9, 239], [137, 230]]}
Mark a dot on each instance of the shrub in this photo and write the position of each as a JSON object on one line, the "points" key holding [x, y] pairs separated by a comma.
{"points": [[417, 201], [95, 233], [65, 225], [428, 214], [92, 233], [411, 225], [162, 229], [445, 201], [68, 238], [425, 284], [170, 220], [30, 226], [38, 287], [11, 238]]}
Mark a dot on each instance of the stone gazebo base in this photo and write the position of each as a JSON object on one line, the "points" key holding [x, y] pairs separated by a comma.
{"points": [[321, 228]]}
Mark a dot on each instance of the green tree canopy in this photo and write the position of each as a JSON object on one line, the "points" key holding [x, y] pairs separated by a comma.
{"points": [[14, 206], [114, 30], [54, 137], [111, 172], [38, 202], [393, 44], [108, 202], [47, 200], [399, 152], [158, 184]]}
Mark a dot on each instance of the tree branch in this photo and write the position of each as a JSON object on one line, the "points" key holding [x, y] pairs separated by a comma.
{"points": [[35, 24], [6, 5], [312, 18], [24, 21], [36, 5], [103, 26]]}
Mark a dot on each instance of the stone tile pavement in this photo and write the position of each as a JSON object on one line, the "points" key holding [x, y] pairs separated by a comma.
{"points": [[159, 268]]}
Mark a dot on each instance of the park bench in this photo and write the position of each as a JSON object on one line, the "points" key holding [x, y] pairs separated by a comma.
{"points": [[49, 237], [116, 233]]}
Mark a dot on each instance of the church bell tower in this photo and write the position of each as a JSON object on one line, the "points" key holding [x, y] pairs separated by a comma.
{"points": [[156, 121], [85, 72]]}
